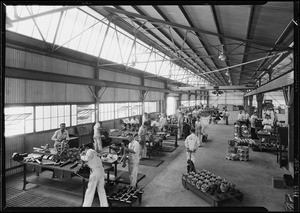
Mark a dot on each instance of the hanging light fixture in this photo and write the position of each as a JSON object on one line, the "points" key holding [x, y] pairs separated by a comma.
{"points": [[222, 56]]}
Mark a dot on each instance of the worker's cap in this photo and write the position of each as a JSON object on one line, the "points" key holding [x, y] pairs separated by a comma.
{"points": [[62, 124]]}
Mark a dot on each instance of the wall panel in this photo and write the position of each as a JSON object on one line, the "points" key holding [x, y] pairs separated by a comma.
{"points": [[108, 95], [14, 58], [78, 93], [14, 91], [59, 66], [13, 144], [80, 70]]}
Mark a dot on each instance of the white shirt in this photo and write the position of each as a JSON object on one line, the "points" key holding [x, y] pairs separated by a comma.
{"points": [[60, 136], [192, 142], [268, 123], [241, 117], [135, 146], [97, 131], [92, 160], [163, 121]]}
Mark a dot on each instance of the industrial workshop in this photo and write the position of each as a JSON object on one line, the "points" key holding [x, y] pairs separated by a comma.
{"points": [[184, 106]]}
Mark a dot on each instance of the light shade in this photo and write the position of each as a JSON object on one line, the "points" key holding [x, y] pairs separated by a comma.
{"points": [[222, 57]]}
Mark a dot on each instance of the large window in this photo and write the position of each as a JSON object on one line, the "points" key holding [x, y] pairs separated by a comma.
{"points": [[150, 107], [171, 106], [18, 120], [135, 108], [106, 111], [50, 117], [85, 114]]}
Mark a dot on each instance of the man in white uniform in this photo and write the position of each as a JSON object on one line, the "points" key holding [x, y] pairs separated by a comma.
{"points": [[60, 136], [97, 137], [96, 179], [191, 144], [134, 159]]}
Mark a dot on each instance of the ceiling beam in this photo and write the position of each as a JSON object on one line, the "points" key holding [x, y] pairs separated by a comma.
{"points": [[275, 84], [155, 20], [204, 88], [12, 72], [44, 13]]}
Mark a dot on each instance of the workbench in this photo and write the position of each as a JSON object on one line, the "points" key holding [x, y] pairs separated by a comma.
{"points": [[65, 172]]}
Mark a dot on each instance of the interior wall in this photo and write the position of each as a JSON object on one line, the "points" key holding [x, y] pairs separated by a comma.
{"points": [[228, 97]]}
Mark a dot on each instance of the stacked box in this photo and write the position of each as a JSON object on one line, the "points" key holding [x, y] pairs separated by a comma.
{"points": [[243, 152], [232, 149]]}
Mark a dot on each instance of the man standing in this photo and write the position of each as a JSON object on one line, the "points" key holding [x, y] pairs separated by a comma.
{"points": [[96, 179], [253, 119], [191, 144], [142, 139], [97, 137], [180, 125], [134, 159], [198, 129], [225, 116], [163, 123], [60, 136]]}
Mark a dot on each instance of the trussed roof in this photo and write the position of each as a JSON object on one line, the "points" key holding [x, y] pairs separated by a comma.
{"points": [[256, 39], [252, 36]]}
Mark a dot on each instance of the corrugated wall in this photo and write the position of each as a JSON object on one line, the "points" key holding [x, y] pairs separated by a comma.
{"points": [[21, 91], [154, 96]]}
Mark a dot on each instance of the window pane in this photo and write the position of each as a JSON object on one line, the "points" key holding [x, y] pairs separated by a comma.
{"points": [[53, 111], [67, 120], [28, 126], [54, 123], [74, 109], [46, 111], [47, 124], [39, 125], [74, 120], [61, 120], [67, 110], [61, 110], [39, 112]]}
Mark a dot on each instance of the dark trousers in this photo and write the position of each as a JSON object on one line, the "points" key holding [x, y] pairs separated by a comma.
{"points": [[253, 133]]}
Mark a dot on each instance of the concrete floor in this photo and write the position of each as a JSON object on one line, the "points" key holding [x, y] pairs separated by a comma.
{"points": [[163, 186]]}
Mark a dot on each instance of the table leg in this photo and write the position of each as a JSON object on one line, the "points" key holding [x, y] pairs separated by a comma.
{"points": [[115, 167], [83, 190], [24, 176], [176, 137]]}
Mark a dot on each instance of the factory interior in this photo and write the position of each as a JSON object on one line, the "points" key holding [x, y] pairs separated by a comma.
{"points": [[150, 107]]}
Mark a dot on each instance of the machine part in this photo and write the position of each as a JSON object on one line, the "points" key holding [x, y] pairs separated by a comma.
{"points": [[74, 165]]}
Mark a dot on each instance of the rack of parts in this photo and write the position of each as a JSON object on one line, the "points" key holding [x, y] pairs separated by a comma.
{"points": [[125, 196], [213, 189]]}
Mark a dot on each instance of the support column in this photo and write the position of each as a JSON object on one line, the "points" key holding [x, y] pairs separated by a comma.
{"points": [[179, 101], [189, 99], [207, 97], [246, 103], [251, 100], [288, 93], [259, 98], [165, 105], [97, 89]]}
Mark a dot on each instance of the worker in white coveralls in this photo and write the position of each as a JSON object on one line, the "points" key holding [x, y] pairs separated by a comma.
{"points": [[60, 136], [191, 144], [96, 179], [97, 137], [134, 159]]}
